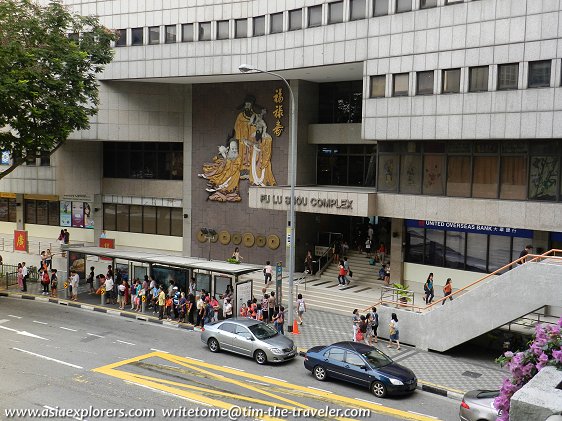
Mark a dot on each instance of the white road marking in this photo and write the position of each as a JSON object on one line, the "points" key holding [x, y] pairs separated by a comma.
{"points": [[196, 359], [55, 409], [3, 321], [15, 317], [317, 388], [67, 328], [255, 382], [275, 378], [48, 358], [123, 342], [93, 334], [167, 393], [365, 400], [38, 322], [233, 368], [23, 332], [159, 350], [423, 415]]}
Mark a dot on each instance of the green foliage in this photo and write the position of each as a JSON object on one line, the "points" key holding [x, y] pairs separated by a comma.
{"points": [[402, 291], [232, 260], [48, 85]]}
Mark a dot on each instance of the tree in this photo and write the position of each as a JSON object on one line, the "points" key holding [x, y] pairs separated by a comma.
{"points": [[49, 59]]}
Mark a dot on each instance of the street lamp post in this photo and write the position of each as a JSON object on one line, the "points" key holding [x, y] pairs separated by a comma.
{"points": [[246, 68]]}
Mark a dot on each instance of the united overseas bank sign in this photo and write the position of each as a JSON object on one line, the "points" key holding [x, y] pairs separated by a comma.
{"points": [[326, 200]]}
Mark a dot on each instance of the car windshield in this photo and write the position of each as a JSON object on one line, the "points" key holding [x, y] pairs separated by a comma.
{"points": [[262, 331], [488, 394], [376, 358]]}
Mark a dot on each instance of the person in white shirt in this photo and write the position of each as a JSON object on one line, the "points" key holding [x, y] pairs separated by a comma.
{"points": [[109, 289], [74, 281], [25, 274], [227, 308], [267, 273]]}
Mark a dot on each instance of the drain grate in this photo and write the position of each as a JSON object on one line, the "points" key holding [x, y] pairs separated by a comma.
{"points": [[472, 374]]}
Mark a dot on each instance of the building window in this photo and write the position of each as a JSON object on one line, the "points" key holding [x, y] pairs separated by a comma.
{"points": [[410, 173], [109, 217], [143, 219], [154, 35], [276, 23], [539, 74], [137, 36], [434, 174], [508, 76], [459, 178], [513, 182], [41, 212], [241, 28], [163, 221], [295, 19], [135, 218], [144, 160], [45, 159], [149, 219], [171, 34], [403, 6], [346, 165], [315, 16], [451, 81], [8, 210], [205, 31], [122, 38], [259, 26], [223, 29], [425, 83], [401, 83], [340, 102], [426, 4], [485, 171], [176, 229], [357, 9], [187, 32], [380, 7], [544, 170], [378, 86], [478, 79], [335, 12]]}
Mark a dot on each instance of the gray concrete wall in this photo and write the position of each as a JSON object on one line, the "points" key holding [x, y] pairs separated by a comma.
{"points": [[539, 398], [490, 305]]}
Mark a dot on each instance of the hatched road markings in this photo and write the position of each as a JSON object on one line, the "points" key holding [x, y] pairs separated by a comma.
{"points": [[44, 357], [278, 393]]}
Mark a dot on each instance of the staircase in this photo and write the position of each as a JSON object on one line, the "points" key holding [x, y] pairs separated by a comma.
{"points": [[363, 272]]}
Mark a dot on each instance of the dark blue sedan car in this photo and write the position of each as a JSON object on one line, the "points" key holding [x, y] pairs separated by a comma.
{"points": [[362, 365]]}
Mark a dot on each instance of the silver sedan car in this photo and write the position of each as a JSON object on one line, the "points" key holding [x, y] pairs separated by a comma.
{"points": [[478, 405], [251, 338]]}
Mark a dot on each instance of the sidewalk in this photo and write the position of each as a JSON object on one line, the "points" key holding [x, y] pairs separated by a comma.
{"points": [[437, 373]]}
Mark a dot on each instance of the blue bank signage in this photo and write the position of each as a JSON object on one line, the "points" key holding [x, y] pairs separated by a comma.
{"points": [[470, 228]]}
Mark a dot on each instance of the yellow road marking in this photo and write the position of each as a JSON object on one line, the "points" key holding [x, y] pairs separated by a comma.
{"points": [[198, 365]]}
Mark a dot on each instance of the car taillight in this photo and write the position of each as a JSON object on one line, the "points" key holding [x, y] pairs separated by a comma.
{"points": [[464, 405]]}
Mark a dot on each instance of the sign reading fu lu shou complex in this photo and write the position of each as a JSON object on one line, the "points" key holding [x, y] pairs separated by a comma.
{"points": [[306, 201]]}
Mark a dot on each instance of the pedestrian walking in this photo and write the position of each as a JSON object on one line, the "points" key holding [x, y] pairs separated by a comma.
{"points": [[267, 269], [341, 274], [279, 321], [369, 329], [121, 295], [90, 280], [216, 308], [265, 306], [192, 309], [362, 330], [49, 259], [368, 247], [74, 282], [374, 323], [394, 331], [524, 253], [336, 250], [347, 271], [301, 307], [25, 275], [428, 289], [387, 274], [54, 283], [45, 280], [109, 284], [161, 300], [355, 320], [308, 263], [20, 276], [447, 290]]}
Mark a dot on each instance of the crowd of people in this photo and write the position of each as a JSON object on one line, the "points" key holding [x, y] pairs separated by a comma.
{"points": [[365, 328]]}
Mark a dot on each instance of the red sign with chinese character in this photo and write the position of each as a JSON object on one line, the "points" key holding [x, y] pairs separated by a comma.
{"points": [[20, 241], [108, 243]]}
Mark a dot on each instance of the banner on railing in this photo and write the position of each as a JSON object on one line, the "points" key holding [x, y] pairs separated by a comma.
{"points": [[20, 241], [108, 243]]}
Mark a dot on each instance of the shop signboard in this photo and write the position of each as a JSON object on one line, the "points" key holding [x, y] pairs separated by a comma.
{"points": [[470, 228], [20, 240]]}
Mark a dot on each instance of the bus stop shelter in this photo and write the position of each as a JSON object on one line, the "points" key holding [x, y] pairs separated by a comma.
{"points": [[211, 275]]}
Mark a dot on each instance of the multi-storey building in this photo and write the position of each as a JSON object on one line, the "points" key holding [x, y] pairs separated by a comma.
{"points": [[439, 120]]}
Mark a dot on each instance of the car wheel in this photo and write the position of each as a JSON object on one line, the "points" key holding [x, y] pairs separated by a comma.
{"points": [[320, 373], [213, 345], [378, 389], [260, 357]]}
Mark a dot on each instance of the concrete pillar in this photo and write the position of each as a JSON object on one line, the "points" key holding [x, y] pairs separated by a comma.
{"points": [[97, 209], [397, 238], [187, 169], [19, 211]]}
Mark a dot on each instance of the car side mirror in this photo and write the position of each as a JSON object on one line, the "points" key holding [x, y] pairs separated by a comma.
{"points": [[363, 367]]}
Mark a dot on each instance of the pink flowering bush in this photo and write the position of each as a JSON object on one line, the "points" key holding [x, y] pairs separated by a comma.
{"points": [[545, 349]]}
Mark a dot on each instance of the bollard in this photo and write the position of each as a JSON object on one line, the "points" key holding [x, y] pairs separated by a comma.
{"points": [[143, 307], [66, 290], [102, 295]]}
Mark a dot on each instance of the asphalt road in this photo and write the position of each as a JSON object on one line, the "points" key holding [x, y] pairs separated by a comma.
{"points": [[55, 357]]}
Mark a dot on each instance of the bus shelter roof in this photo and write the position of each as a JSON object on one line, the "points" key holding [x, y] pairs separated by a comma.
{"points": [[168, 260]]}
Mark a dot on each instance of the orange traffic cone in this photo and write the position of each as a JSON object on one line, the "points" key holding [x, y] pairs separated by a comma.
{"points": [[296, 328]]}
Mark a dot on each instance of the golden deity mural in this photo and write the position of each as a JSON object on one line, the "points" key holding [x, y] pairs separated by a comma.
{"points": [[246, 156]]}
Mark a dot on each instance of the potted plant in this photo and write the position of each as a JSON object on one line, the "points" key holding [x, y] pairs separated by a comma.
{"points": [[232, 260], [403, 293]]}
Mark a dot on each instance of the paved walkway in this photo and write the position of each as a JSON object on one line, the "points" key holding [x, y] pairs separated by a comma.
{"points": [[438, 373]]}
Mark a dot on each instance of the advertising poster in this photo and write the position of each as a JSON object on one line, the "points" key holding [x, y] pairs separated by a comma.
{"points": [[88, 217], [164, 274], [6, 159], [122, 268], [65, 214], [77, 263], [78, 214]]}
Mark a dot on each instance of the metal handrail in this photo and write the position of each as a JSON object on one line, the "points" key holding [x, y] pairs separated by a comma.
{"points": [[328, 254], [551, 254]]}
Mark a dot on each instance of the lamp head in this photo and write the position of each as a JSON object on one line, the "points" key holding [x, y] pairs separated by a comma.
{"points": [[245, 68]]}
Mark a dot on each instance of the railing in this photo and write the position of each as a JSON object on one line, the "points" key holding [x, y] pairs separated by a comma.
{"points": [[33, 246], [325, 260], [549, 255], [397, 295], [533, 318]]}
